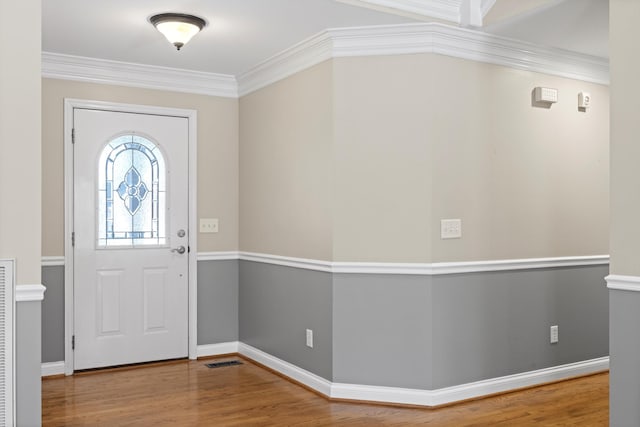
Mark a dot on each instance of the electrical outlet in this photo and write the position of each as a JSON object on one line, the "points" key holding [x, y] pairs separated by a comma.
{"points": [[309, 338], [208, 225], [553, 334]]}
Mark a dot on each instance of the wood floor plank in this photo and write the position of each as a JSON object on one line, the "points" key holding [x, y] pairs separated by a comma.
{"points": [[187, 393]]}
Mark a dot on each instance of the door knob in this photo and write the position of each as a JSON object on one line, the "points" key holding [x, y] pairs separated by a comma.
{"points": [[179, 249]]}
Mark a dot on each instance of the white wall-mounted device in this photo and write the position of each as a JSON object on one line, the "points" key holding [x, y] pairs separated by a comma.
{"points": [[584, 100], [546, 95]]}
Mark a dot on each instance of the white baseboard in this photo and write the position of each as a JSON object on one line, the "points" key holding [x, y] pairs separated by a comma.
{"points": [[300, 375], [424, 397], [470, 390], [217, 349], [396, 395], [52, 368]]}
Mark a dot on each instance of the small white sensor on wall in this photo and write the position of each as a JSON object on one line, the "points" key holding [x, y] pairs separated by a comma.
{"points": [[545, 95], [584, 100]]}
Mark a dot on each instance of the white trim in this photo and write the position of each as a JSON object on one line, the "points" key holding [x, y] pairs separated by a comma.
{"points": [[424, 397], [217, 349], [52, 261], [623, 283], [52, 368], [448, 10], [423, 38], [428, 269], [307, 378], [470, 390], [517, 264], [218, 256], [191, 115], [303, 55], [400, 39], [94, 70], [486, 6], [25, 293], [8, 393], [307, 264]]}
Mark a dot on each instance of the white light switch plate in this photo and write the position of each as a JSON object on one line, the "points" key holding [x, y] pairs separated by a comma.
{"points": [[450, 228], [208, 225]]}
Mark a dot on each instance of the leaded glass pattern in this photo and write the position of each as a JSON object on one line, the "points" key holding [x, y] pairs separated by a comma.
{"points": [[131, 193]]}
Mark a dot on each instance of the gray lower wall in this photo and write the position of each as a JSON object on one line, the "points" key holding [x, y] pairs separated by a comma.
{"points": [[217, 301], [624, 374], [431, 332], [27, 364], [487, 325], [278, 304], [423, 332], [53, 314], [382, 330]]}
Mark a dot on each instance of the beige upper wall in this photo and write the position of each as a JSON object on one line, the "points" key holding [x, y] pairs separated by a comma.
{"points": [[382, 174], [286, 138], [217, 156], [527, 182], [420, 138], [20, 211], [358, 159], [625, 128]]}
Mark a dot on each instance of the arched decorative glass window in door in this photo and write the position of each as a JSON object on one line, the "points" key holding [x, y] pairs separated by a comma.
{"points": [[131, 193]]}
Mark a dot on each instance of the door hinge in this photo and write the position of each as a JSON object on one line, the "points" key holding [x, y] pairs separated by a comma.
{"points": [[73, 342], [73, 238], [73, 136]]}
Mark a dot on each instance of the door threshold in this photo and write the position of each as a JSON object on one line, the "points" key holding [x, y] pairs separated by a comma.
{"points": [[131, 366]]}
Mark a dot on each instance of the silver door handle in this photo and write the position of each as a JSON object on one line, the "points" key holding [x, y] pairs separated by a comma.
{"points": [[179, 249]]}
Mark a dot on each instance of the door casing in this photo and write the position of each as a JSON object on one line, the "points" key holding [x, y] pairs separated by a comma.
{"points": [[69, 106]]}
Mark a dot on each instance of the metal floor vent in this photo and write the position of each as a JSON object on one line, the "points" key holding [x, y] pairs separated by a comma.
{"points": [[223, 364]]}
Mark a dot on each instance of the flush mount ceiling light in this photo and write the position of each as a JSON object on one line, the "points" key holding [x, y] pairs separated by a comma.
{"points": [[178, 28]]}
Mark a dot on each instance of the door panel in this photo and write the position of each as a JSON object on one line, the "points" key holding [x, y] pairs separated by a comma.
{"points": [[130, 202]]}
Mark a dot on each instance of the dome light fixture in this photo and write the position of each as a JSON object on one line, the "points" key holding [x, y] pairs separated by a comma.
{"points": [[178, 28]]}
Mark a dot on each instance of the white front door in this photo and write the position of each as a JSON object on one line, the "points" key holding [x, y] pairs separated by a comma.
{"points": [[130, 210]]}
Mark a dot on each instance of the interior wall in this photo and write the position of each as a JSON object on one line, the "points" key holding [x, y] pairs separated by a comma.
{"points": [[527, 182], [20, 152], [625, 209], [382, 158], [217, 156], [420, 138], [286, 139]]}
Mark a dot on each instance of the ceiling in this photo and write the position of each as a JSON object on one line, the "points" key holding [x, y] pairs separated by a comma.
{"points": [[243, 33]]}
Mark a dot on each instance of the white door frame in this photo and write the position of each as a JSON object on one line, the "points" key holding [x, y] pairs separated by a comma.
{"points": [[191, 115]]}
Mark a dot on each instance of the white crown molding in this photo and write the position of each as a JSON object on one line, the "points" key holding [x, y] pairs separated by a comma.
{"points": [[93, 70], [53, 261], [307, 53], [25, 293], [486, 6], [420, 397], [429, 269], [217, 349], [335, 43], [623, 283], [447, 10], [424, 38]]}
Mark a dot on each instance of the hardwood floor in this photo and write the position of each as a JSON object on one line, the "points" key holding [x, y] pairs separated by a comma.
{"points": [[187, 393]]}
